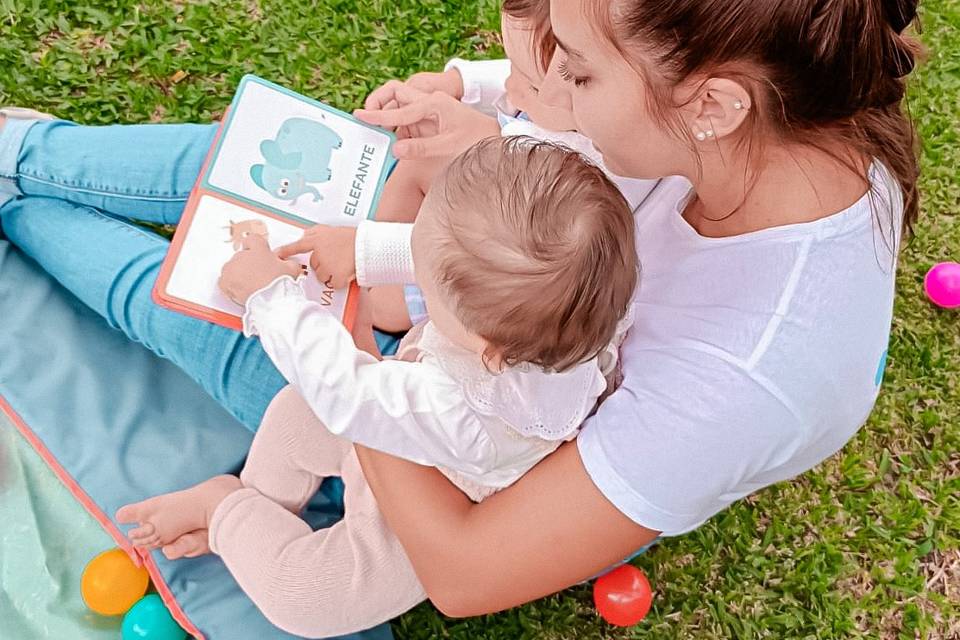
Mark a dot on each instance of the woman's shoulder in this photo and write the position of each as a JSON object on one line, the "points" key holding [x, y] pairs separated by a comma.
{"points": [[751, 359]]}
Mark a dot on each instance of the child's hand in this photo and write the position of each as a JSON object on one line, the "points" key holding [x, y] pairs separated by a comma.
{"points": [[252, 268], [449, 82], [332, 253], [437, 124]]}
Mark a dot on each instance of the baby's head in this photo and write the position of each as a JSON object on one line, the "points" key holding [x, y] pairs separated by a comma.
{"points": [[529, 43], [525, 253]]}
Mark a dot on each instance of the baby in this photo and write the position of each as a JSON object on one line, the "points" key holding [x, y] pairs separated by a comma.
{"points": [[525, 254]]}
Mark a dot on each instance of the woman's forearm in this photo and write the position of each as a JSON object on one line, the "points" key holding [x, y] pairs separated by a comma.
{"points": [[550, 530]]}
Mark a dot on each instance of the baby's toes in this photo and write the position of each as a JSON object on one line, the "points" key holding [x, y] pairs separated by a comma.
{"points": [[142, 533], [189, 545], [130, 513]]}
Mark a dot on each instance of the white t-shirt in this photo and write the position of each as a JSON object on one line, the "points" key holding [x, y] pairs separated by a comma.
{"points": [[751, 358]]}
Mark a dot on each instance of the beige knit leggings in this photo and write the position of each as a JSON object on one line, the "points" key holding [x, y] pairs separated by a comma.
{"points": [[331, 582]]}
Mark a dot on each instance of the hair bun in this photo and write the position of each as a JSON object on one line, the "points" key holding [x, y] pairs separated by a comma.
{"points": [[900, 13]]}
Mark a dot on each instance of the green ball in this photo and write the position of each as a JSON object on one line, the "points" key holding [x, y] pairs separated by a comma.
{"points": [[150, 620]]}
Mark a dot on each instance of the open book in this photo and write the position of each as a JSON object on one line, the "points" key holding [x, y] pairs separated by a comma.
{"points": [[280, 163]]}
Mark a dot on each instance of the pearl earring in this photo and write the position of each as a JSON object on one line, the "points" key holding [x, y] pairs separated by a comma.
{"points": [[738, 105], [701, 136]]}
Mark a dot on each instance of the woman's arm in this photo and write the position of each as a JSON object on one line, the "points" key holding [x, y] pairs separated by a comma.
{"points": [[550, 530]]}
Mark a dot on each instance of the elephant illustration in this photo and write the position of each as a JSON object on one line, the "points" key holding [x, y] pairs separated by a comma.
{"points": [[297, 159]]}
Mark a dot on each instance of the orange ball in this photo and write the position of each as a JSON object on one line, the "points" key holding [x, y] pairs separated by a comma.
{"points": [[111, 583]]}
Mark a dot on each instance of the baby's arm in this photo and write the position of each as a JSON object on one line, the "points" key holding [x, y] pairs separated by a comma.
{"points": [[406, 187], [408, 409], [375, 253]]}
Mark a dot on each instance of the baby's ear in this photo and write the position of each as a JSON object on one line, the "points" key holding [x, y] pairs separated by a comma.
{"points": [[493, 358]]}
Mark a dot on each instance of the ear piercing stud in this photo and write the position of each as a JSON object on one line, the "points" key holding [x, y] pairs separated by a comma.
{"points": [[738, 105], [703, 135]]}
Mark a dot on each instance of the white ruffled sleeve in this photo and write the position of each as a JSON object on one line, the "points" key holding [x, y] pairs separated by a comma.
{"points": [[383, 254], [483, 82], [407, 409]]}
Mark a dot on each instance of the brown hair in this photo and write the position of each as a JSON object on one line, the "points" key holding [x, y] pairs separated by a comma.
{"points": [[539, 251], [817, 70], [537, 13]]}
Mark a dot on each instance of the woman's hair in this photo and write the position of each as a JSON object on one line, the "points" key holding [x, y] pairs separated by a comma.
{"points": [[539, 253], [537, 14], [817, 70]]}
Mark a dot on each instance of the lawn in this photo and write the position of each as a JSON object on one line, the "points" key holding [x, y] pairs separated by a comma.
{"points": [[866, 545]]}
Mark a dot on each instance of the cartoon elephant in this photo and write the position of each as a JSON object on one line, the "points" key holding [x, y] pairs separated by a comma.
{"points": [[299, 157]]}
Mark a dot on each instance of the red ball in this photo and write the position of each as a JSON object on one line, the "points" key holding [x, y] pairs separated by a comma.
{"points": [[623, 596]]}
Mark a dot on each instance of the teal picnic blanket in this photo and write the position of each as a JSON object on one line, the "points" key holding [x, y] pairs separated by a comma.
{"points": [[90, 421]]}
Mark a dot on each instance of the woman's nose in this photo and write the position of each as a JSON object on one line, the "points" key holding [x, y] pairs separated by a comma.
{"points": [[553, 90]]}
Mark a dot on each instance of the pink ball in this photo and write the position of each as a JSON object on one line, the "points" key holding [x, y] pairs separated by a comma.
{"points": [[943, 285]]}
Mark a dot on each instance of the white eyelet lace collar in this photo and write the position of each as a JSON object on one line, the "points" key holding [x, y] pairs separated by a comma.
{"points": [[534, 402]]}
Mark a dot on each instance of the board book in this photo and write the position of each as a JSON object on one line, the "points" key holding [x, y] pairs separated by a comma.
{"points": [[280, 163]]}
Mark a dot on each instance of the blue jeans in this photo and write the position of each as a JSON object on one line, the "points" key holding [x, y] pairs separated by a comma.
{"points": [[67, 194]]}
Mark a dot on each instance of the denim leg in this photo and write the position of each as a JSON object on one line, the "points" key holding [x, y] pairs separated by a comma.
{"points": [[111, 266], [133, 171]]}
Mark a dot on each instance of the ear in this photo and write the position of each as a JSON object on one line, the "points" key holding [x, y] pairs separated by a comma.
{"points": [[271, 151], [256, 173], [719, 109], [277, 158]]}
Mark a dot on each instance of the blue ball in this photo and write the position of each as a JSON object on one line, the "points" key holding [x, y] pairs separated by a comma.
{"points": [[150, 620]]}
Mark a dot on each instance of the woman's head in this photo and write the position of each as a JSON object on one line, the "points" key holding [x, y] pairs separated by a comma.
{"points": [[526, 250], [647, 77]]}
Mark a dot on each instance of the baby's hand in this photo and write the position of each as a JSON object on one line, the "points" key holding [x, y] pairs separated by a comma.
{"points": [[252, 268], [332, 253], [448, 82]]}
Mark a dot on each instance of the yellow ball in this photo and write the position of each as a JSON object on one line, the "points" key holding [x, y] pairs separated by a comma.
{"points": [[111, 583]]}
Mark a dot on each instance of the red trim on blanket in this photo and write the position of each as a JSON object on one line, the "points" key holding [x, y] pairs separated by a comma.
{"points": [[162, 588]]}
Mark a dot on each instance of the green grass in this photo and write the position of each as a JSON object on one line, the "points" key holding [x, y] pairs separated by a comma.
{"points": [[865, 546]]}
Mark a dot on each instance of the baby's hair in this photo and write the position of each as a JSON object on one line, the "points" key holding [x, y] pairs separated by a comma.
{"points": [[537, 14], [539, 251]]}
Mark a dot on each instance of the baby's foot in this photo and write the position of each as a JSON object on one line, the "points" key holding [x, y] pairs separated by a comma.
{"points": [[189, 545], [163, 519]]}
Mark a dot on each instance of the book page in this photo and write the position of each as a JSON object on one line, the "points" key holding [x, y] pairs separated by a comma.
{"points": [[210, 243], [293, 157]]}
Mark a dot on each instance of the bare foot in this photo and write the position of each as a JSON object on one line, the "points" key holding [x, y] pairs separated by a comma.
{"points": [[189, 545], [163, 519]]}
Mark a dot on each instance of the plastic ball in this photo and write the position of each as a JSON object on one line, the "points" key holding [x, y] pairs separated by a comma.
{"points": [[943, 285], [623, 596], [150, 620], [111, 583]]}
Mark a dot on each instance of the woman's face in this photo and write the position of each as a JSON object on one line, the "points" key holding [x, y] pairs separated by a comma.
{"points": [[608, 98]]}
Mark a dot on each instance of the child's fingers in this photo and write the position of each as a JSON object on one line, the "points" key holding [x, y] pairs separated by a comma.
{"points": [[303, 245], [417, 106], [382, 96]]}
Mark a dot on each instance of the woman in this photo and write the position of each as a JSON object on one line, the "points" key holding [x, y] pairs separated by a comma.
{"points": [[765, 306]]}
